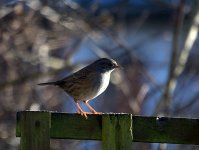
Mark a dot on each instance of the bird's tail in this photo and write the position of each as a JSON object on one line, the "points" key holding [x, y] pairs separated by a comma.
{"points": [[48, 83]]}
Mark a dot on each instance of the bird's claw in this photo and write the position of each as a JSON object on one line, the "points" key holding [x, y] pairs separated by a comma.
{"points": [[82, 113], [97, 113]]}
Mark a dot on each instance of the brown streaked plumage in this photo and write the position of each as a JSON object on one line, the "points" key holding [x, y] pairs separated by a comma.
{"points": [[88, 82]]}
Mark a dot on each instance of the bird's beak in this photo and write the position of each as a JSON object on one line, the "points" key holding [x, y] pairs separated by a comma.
{"points": [[117, 66]]}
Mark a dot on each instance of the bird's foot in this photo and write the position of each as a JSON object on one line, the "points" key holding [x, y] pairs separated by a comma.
{"points": [[82, 113], [97, 113]]}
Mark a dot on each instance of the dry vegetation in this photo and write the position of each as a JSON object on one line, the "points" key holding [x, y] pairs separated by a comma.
{"points": [[38, 42]]}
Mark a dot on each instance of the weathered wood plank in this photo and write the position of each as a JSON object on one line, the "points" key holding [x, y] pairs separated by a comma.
{"points": [[34, 128], [117, 132], [166, 130], [145, 129], [75, 126], [71, 126]]}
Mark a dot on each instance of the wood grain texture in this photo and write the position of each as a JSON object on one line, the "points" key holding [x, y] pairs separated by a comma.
{"points": [[75, 126], [35, 130], [117, 132], [144, 129], [166, 130]]}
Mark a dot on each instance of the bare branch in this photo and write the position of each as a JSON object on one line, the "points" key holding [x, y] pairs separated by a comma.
{"points": [[167, 95]]}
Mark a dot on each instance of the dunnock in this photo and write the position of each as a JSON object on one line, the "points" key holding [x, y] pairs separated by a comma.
{"points": [[88, 82]]}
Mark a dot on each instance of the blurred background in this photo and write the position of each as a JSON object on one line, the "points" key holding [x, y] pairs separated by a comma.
{"points": [[155, 41]]}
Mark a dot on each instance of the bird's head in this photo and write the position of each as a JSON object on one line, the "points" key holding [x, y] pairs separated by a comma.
{"points": [[105, 65]]}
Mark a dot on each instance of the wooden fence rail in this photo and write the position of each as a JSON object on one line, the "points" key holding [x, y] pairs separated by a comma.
{"points": [[116, 131]]}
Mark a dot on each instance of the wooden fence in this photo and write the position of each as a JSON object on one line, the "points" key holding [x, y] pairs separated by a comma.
{"points": [[116, 131]]}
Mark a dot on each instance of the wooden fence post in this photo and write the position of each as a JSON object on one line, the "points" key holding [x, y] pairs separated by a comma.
{"points": [[117, 131], [35, 130]]}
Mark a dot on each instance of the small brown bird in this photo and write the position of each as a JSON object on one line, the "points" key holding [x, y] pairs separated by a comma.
{"points": [[87, 83]]}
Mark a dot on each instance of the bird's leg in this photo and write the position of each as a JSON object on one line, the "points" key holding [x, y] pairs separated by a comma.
{"points": [[91, 108], [80, 110]]}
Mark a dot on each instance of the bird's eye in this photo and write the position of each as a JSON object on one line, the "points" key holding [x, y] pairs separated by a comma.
{"points": [[110, 65]]}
